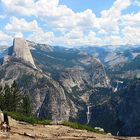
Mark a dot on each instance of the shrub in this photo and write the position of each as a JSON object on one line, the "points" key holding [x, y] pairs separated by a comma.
{"points": [[76, 125], [28, 119]]}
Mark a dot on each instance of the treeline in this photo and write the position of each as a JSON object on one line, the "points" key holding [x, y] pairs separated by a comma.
{"points": [[13, 100]]}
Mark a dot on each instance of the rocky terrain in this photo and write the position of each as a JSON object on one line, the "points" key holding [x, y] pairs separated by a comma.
{"points": [[92, 75], [25, 131], [20, 49], [48, 95], [98, 86]]}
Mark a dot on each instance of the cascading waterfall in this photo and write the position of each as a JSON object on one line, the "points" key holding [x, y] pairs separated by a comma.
{"points": [[116, 88], [88, 114]]}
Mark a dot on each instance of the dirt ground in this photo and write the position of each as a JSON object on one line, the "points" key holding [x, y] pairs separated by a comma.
{"points": [[24, 131]]}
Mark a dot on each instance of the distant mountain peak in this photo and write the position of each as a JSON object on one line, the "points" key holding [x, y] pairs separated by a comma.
{"points": [[20, 49]]}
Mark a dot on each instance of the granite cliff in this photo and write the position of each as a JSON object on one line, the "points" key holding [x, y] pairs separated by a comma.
{"points": [[50, 97], [75, 84], [21, 50]]}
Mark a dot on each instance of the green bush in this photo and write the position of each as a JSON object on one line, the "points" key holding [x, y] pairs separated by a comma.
{"points": [[28, 119], [44, 122], [76, 125]]}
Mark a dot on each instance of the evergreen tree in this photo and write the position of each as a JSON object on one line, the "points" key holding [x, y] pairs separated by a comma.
{"points": [[1, 99], [26, 105], [12, 100], [7, 98], [15, 97]]}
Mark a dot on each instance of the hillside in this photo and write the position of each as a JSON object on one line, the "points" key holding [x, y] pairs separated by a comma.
{"points": [[77, 84], [47, 73]]}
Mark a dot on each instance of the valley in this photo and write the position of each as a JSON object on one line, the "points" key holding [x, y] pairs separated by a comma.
{"points": [[98, 86]]}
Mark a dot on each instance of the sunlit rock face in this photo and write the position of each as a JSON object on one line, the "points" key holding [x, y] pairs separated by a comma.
{"points": [[21, 50], [47, 96], [92, 75]]}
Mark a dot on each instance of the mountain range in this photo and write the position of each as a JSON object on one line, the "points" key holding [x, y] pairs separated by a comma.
{"points": [[94, 85]]}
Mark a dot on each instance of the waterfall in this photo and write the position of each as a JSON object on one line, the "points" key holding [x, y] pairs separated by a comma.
{"points": [[116, 89], [88, 114]]}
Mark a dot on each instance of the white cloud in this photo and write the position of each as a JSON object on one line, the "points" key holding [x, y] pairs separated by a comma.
{"points": [[77, 38], [92, 39], [75, 28], [20, 25], [137, 3], [25, 7], [4, 38], [116, 9], [30, 7], [131, 19], [40, 36], [55, 15], [110, 18], [2, 16], [131, 35], [18, 34], [75, 34]]}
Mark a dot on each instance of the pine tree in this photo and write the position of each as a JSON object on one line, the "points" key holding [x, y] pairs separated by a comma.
{"points": [[15, 97], [12, 100], [1, 98], [26, 105], [7, 98]]}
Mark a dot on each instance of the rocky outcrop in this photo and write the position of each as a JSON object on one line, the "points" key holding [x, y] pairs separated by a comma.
{"points": [[96, 75], [73, 77], [73, 72], [47, 96], [128, 110], [117, 113], [21, 50], [22, 130], [92, 75]]}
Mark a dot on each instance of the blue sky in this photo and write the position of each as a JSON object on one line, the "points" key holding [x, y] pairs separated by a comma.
{"points": [[71, 22], [95, 5]]}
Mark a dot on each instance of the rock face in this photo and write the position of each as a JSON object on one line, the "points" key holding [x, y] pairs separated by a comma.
{"points": [[117, 113], [51, 98], [92, 75], [68, 84], [59, 81], [21, 50], [128, 110], [47, 96]]}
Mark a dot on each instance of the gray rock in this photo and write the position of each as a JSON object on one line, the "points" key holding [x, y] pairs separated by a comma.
{"points": [[21, 50], [93, 75]]}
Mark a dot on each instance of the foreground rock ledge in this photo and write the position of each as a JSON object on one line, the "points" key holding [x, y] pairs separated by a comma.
{"points": [[24, 131]]}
